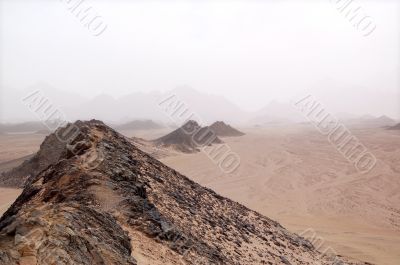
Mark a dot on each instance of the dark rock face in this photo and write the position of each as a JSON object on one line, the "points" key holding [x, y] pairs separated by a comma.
{"points": [[102, 194], [189, 138], [224, 130], [50, 152]]}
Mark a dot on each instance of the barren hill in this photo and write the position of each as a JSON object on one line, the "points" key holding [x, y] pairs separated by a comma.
{"points": [[394, 127], [189, 138], [371, 121], [50, 152], [104, 201], [224, 130]]}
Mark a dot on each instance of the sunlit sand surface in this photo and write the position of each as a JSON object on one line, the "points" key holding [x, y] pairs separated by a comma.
{"points": [[294, 175]]}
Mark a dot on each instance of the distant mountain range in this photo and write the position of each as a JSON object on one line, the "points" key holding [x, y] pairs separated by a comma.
{"points": [[395, 127], [139, 125], [146, 106], [370, 121], [24, 127]]}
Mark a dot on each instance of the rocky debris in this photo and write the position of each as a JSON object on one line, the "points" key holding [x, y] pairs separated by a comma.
{"points": [[189, 138], [225, 130], [91, 205]]}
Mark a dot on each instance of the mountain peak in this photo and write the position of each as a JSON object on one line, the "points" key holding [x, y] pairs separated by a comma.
{"points": [[190, 137], [225, 130], [102, 200]]}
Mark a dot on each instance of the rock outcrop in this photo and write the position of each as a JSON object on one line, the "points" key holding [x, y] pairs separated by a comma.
{"points": [[50, 152], [225, 130], [101, 200], [189, 138]]}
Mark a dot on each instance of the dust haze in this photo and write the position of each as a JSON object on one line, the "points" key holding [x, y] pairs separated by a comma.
{"points": [[248, 53], [170, 132]]}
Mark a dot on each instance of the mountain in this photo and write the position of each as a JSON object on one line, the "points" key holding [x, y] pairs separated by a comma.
{"points": [[209, 107], [394, 127], [371, 121], [51, 151], [139, 125], [189, 138], [23, 127], [224, 130], [14, 103], [132, 106], [205, 107], [384, 120], [276, 113], [104, 201]]}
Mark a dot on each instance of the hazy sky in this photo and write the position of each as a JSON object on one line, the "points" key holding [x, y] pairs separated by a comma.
{"points": [[249, 51]]}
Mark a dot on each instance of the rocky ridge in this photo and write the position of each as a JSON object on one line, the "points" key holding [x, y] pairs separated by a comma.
{"points": [[104, 201]]}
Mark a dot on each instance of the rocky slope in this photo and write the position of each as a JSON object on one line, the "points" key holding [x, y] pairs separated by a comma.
{"points": [[225, 130], [189, 138], [50, 152], [104, 201]]}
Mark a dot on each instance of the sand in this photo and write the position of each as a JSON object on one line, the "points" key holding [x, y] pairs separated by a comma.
{"points": [[15, 146], [7, 197], [14, 149], [295, 176]]}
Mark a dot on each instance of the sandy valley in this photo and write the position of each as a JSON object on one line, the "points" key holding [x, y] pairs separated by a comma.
{"points": [[293, 175]]}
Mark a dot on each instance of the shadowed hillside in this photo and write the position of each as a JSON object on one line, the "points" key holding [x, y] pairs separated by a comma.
{"points": [[225, 130], [189, 138], [104, 201]]}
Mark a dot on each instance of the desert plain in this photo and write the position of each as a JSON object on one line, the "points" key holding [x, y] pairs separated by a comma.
{"points": [[290, 173]]}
